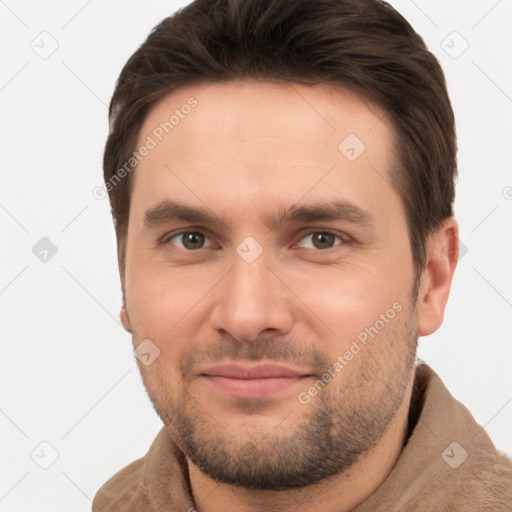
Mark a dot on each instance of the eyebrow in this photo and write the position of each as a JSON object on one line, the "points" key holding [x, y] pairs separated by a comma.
{"points": [[169, 211]]}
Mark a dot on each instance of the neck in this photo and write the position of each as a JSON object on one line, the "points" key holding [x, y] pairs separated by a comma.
{"points": [[341, 492]]}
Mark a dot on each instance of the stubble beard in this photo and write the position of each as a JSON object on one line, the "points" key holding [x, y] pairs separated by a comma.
{"points": [[338, 426]]}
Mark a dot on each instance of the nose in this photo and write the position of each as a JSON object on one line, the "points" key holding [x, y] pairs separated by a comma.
{"points": [[251, 300]]}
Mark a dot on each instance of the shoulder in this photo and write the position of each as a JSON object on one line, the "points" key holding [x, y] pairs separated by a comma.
{"points": [[482, 483], [156, 482], [468, 472], [123, 491]]}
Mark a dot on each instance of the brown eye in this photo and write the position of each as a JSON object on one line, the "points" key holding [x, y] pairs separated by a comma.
{"points": [[320, 240], [189, 240]]}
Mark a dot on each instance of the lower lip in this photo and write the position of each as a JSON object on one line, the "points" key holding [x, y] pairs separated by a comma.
{"points": [[252, 388]]}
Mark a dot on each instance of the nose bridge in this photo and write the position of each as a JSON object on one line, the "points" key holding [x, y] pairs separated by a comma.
{"points": [[252, 299], [250, 276]]}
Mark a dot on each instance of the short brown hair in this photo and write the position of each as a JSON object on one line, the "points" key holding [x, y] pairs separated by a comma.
{"points": [[364, 45]]}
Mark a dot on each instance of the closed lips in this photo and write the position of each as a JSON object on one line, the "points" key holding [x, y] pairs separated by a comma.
{"points": [[264, 371]]}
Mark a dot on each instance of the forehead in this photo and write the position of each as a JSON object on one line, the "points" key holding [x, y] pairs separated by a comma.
{"points": [[249, 111], [260, 143]]}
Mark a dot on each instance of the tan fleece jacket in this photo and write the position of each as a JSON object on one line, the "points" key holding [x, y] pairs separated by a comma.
{"points": [[449, 463]]}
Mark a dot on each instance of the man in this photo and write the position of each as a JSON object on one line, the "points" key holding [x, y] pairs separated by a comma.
{"points": [[281, 175]]}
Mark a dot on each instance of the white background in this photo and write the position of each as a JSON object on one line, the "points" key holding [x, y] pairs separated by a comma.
{"points": [[68, 374]]}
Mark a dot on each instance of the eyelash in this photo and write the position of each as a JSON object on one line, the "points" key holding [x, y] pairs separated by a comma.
{"points": [[344, 238]]}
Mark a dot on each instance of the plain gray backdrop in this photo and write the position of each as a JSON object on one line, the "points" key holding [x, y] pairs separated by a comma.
{"points": [[73, 409]]}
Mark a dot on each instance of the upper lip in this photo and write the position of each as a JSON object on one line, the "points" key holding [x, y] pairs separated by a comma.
{"points": [[259, 371]]}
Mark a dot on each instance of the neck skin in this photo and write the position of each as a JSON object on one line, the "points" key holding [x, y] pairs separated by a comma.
{"points": [[341, 492]]}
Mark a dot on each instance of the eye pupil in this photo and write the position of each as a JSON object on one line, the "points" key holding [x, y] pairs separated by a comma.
{"points": [[323, 240], [193, 240]]}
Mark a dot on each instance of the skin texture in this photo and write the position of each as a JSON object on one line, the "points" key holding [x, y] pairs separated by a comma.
{"points": [[245, 153]]}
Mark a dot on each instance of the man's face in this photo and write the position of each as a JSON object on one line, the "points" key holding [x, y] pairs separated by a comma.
{"points": [[299, 260]]}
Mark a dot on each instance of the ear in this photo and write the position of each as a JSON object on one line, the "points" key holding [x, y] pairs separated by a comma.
{"points": [[125, 319], [442, 256], [121, 250], [123, 315]]}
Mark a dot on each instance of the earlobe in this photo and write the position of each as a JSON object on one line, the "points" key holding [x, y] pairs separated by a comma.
{"points": [[442, 255]]}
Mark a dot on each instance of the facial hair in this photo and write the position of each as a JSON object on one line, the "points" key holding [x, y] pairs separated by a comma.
{"points": [[337, 427]]}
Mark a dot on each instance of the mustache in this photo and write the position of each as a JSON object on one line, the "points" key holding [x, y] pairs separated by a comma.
{"points": [[265, 348]]}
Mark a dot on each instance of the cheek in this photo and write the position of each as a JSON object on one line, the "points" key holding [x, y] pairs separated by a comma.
{"points": [[342, 303], [163, 302]]}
